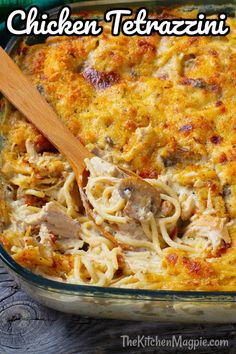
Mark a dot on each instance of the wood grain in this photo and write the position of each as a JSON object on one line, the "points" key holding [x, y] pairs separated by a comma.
{"points": [[28, 327]]}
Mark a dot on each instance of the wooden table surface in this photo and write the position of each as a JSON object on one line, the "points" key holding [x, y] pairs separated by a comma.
{"points": [[28, 327]]}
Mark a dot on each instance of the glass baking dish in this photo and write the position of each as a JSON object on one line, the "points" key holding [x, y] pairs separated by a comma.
{"points": [[181, 306]]}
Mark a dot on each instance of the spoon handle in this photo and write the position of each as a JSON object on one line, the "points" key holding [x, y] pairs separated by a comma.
{"points": [[25, 97]]}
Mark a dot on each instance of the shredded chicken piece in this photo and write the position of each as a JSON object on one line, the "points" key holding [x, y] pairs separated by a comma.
{"points": [[44, 234], [100, 167], [188, 206], [54, 217], [212, 228]]}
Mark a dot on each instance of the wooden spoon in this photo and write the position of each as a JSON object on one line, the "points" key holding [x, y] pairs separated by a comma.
{"points": [[25, 97]]}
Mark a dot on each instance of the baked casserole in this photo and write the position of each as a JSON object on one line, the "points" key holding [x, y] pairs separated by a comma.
{"points": [[163, 107]]}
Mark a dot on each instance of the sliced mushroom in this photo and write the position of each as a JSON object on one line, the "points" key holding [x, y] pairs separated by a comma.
{"points": [[142, 198]]}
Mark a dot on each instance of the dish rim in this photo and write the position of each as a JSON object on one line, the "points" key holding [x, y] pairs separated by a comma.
{"points": [[91, 290]]}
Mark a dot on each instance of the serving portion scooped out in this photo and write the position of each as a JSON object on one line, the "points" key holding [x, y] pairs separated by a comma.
{"points": [[145, 214]]}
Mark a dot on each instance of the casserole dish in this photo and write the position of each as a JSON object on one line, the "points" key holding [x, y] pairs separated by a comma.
{"points": [[122, 303]]}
